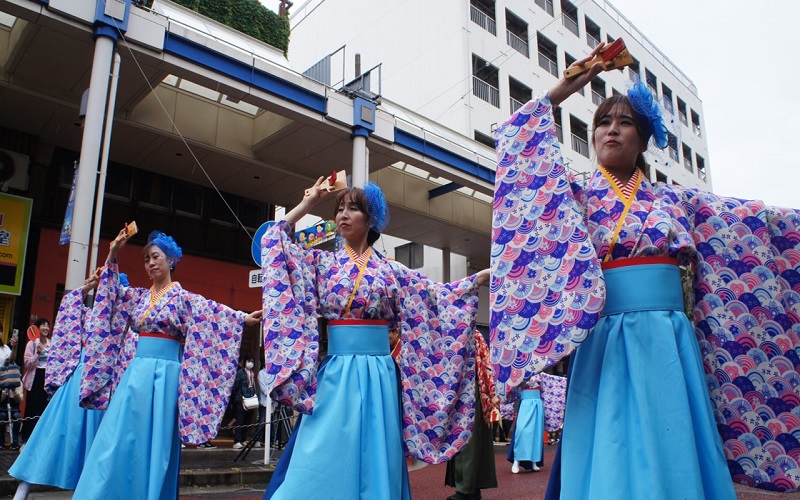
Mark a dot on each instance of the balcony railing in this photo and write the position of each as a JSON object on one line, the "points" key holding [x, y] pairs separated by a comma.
{"points": [[485, 91], [570, 24], [483, 20], [560, 132], [673, 153], [597, 98], [687, 164], [591, 40], [682, 117], [696, 129], [580, 145], [517, 43], [701, 173], [668, 104], [514, 104], [547, 5], [548, 64]]}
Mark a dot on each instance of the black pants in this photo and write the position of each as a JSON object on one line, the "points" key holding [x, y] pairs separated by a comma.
{"points": [[35, 403], [242, 418]]}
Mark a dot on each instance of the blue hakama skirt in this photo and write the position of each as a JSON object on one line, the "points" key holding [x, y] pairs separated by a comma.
{"points": [[638, 421], [57, 448], [136, 453], [529, 430], [351, 445]]}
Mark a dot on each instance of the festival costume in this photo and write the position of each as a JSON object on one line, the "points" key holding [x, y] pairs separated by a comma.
{"points": [[436, 366], [57, 448], [176, 387], [473, 469], [745, 317]]}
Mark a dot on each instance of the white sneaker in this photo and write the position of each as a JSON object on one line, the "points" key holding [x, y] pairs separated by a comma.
{"points": [[258, 444], [238, 446], [535, 467], [515, 467]]}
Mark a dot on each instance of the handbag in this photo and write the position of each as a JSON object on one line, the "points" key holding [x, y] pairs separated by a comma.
{"points": [[10, 376], [250, 403]]}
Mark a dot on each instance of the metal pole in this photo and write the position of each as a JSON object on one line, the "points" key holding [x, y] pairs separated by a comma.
{"points": [[360, 167], [101, 181], [90, 152]]}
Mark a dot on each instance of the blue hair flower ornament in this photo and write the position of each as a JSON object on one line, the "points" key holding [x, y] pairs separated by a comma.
{"points": [[167, 245], [378, 209], [123, 280], [648, 114]]}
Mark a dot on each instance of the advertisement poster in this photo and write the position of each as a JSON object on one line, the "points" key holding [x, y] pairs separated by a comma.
{"points": [[15, 217]]}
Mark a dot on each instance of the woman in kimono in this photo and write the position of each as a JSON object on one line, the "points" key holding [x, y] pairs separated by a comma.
{"points": [[527, 442], [639, 422], [350, 438], [184, 350], [36, 397], [63, 421], [473, 469]]}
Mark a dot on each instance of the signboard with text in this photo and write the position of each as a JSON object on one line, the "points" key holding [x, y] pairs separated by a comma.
{"points": [[15, 217]]}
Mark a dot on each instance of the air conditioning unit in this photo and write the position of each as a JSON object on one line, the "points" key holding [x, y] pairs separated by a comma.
{"points": [[13, 170]]}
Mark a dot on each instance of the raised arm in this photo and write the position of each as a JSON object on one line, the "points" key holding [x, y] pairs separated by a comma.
{"points": [[568, 86], [312, 198]]}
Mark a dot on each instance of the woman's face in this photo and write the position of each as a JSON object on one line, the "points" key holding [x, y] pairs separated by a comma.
{"points": [[44, 330], [351, 222], [616, 138], [156, 264]]}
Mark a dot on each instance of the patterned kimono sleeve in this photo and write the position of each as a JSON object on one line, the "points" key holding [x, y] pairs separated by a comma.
{"points": [[437, 363], [291, 333], [747, 321], [65, 344], [106, 355], [554, 398], [208, 368], [486, 379], [547, 287]]}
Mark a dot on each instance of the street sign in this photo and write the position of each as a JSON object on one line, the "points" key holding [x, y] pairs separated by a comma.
{"points": [[255, 248], [256, 279]]}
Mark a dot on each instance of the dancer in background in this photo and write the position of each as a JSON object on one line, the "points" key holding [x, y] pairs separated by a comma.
{"points": [[176, 386], [353, 442], [57, 448]]}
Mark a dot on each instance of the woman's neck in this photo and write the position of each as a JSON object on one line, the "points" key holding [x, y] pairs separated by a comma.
{"points": [[359, 247], [161, 285], [622, 174]]}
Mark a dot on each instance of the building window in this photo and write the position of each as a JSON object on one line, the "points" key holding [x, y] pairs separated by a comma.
{"points": [[666, 98], [696, 123], [661, 177], [484, 139], [687, 158], [485, 81], [682, 111], [651, 81], [568, 60], [410, 255], [118, 181], [517, 33], [155, 191], [547, 54], [519, 94], [615, 91], [598, 91], [592, 32], [481, 12], [220, 212], [547, 5], [187, 199], [672, 145], [701, 167], [580, 136], [559, 127], [569, 17], [634, 72], [609, 39]]}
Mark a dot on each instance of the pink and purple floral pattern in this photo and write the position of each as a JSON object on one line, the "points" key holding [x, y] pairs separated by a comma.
{"points": [[437, 361], [66, 340], [211, 334], [547, 288], [746, 258], [554, 399]]}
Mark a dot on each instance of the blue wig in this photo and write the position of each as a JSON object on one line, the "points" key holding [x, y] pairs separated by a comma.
{"points": [[377, 207], [167, 244], [123, 280], [648, 114]]}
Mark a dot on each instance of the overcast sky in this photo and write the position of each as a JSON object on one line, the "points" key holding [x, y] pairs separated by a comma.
{"points": [[740, 56]]}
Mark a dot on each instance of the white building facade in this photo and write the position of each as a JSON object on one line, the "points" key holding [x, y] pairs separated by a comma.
{"points": [[469, 64]]}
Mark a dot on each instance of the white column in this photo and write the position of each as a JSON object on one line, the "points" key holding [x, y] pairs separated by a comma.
{"points": [[90, 154], [360, 166], [101, 181]]}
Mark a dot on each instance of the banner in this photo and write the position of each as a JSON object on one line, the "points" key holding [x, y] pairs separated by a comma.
{"points": [[316, 234], [66, 228], [15, 218]]}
